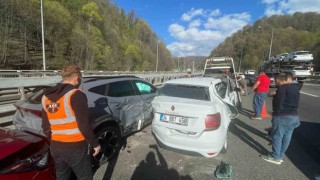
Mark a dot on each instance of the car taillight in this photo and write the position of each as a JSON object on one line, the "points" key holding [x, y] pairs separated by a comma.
{"points": [[213, 121], [21, 162], [35, 112]]}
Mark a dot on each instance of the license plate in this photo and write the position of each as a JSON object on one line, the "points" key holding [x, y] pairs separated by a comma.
{"points": [[174, 119]]}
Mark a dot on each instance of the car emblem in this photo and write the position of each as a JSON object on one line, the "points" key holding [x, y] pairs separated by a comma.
{"points": [[172, 108]]}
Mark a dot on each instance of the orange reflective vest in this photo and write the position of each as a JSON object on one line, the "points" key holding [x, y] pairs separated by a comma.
{"points": [[64, 127]]}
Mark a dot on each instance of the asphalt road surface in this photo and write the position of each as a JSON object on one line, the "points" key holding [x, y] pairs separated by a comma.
{"points": [[142, 158]]}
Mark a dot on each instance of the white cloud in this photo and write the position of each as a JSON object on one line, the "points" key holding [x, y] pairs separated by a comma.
{"points": [[199, 37], [228, 23], [269, 1], [195, 23], [215, 12], [290, 6], [192, 13]]}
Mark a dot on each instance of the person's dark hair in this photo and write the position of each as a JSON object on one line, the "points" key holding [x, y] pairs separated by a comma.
{"points": [[282, 77], [289, 75], [69, 71], [261, 71]]}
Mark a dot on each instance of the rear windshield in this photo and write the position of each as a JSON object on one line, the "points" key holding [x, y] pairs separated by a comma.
{"points": [[185, 91], [300, 68], [37, 96]]}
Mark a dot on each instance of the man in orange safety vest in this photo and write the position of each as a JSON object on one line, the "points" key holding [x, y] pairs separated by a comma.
{"points": [[65, 120]]}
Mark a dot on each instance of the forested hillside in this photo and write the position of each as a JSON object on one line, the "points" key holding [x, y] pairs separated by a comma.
{"points": [[300, 31], [97, 35]]}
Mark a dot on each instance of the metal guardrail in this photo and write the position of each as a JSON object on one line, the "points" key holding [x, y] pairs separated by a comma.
{"points": [[16, 85], [16, 79]]}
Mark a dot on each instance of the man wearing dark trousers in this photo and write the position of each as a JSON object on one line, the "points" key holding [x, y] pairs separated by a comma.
{"points": [[65, 120], [261, 89], [284, 117]]}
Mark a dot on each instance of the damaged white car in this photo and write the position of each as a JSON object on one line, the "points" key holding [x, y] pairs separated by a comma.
{"points": [[192, 115]]}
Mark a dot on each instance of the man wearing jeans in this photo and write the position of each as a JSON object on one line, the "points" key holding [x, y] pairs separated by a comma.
{"points": [[284, 118], [261, 89]]}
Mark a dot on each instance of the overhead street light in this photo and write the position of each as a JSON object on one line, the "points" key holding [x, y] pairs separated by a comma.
{"points": [[43, 50]]}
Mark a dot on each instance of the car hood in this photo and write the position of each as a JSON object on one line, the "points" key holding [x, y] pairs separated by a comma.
{"points": [[12, 141]]}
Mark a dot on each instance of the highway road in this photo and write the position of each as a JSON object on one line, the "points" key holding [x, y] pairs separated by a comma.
{"points": [[142, 158]]}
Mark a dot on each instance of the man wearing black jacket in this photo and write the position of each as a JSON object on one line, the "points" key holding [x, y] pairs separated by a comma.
{"points": [[65, 120], [284, 117]]}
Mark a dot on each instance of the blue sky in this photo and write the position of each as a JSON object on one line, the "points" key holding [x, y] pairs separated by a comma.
{"points": [[195, 27]]}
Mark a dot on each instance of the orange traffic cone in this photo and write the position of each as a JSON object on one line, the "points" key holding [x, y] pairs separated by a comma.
{"points": [[264, 113]]}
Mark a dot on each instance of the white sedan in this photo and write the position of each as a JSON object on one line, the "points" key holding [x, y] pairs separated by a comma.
{"points": [[193, 114]]}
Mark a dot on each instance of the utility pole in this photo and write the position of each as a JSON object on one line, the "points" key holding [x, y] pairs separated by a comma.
{"points": [[157, 56], [178, 65], [239, 69], [193, 67], [271, 43], [43, 50]]}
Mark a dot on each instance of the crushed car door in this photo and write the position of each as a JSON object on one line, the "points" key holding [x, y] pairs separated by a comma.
{"points": [[126, 104], [147, 93], [233, 94], [222, 91]]}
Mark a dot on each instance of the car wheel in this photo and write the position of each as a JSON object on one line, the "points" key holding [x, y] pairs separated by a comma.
{"points": [[110, 141]]}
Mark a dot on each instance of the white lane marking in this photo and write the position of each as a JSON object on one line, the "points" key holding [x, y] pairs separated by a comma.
{"points": [[309, 94], [309, 84]]}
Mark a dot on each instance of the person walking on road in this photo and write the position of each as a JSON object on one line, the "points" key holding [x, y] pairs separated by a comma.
{"points": [[65, 121], [284, 118], [261, 89]]}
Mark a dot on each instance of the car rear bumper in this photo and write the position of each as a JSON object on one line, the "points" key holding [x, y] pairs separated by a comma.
{"points": [[206, 142], [47, 174]]}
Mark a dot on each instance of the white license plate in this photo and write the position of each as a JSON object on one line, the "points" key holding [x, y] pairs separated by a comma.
{"points": [[174, 119]]}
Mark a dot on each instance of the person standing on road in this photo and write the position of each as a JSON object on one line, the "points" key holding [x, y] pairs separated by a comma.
{"points": [[243, 85], [189, 75], [261, 89], [284, 118], [65, 121]]}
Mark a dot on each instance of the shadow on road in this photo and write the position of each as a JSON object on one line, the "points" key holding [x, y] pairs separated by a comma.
{"points": [[111, 162], [246, 112], [250, 128], [306, 136], [149, 169], [234, 128]]}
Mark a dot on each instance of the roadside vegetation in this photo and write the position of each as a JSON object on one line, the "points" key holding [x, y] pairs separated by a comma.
{"points": [[97, 35]]}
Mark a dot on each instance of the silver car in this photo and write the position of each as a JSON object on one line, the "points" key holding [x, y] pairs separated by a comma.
{"points": [[193, 115], [118, 106], [298, 56]]}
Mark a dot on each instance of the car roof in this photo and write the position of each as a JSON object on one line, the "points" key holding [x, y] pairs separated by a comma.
{"points": [[300, 51], [97, 78], [199, 81]]}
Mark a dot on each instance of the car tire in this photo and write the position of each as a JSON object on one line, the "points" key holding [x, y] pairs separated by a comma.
{"points": [[110, 141]]}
